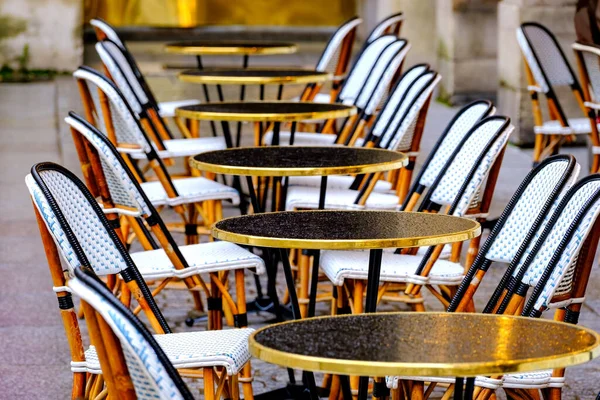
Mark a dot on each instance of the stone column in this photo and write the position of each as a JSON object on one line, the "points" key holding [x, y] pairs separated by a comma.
{"points": [[44, 34], [513, 98]]}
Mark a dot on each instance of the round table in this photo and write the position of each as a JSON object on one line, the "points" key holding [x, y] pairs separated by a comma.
{"points": [[264, 111], [254, 76], [278, 162], [424, 344], [230, 48]]}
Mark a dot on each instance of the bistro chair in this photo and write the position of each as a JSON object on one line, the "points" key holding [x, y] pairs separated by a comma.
{"points": [[135, 363], [555, 259], [589, 73], [390, 25], [122, 195], [70, 218], [106, 108], [547, 68], [163, 109], [398, 126], [335, 59], [365, 86], [392, 131], [478, 155]]}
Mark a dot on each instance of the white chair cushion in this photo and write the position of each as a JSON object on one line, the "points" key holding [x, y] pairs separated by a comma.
{"points": [[392, 382], [167, 108], [225, 348], [341, 199], [577, 126], [201, 258], [191, 190], [302, 138], [532, 380], [319, 98], [336, 182], [340, 265], [183, 147]]}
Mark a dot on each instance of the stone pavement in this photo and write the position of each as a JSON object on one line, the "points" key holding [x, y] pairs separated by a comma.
{"points": [[34, 358]]}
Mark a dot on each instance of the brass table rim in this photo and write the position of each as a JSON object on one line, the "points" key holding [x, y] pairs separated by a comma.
{"points": [[347, 244], [402, 161], [223, 49], [380, 369], [341, 112], [257, 80]]}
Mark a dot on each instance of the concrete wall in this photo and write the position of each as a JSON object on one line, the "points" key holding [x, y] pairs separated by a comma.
{"points": [[50, 28], [513, 98]]}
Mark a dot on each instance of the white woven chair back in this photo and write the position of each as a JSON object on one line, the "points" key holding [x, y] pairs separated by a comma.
{"points": [[86, 225], [400, 134], [561, 278], [331, 54], [384, 25], [466, 119], [544, 56], [591, 64], [123, 75], [108, 31], [380, 78], [494, 130], [124, 191], [125, 122], [527, 209], [149, 375], [360, 71]]}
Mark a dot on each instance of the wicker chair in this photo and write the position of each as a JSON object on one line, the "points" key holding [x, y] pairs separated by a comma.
{"points": [[106, 108], [589, 72], [390, 25], [122, 195], [71, 220], [546, 68], [365, 88], [479, 153], [163, 109]]}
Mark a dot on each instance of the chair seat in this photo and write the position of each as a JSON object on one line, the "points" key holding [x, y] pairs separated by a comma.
{"points": [[532, 380], [182, 147], [201, 258], [399, 268], [577, 126], [225, 348], [319, 98], [336, 182], [302, 138], [190, 190], [340, 199], [392, 382], [166, 109]]}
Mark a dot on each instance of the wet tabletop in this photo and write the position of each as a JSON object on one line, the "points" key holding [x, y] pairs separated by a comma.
{"points": [[345, 230], [434, 344], [254, 76], [298, 161], [230, 47], [265, 111]]}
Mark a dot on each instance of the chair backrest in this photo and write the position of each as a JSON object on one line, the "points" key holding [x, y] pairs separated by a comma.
{"points": [[125, 193], [361, 69], [588, 58], [330, 58], [120, 116], [548, 263], [105, 31], [390, 25], [114, 59], [400, 131], [465, 172], [544, 57], [152, 374]]}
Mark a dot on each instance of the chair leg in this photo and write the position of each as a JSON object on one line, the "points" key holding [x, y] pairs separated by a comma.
{"points": [[209, 383], [304, 281], [417, 391]]}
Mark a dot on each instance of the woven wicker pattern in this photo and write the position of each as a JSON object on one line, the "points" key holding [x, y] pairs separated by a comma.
{"points": [[592, 66], [535, 42], [360, 71], [127, 129], [150, 379], [526, 210], [456, 133], [122, 74], [331, 54], [455, 175]]}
